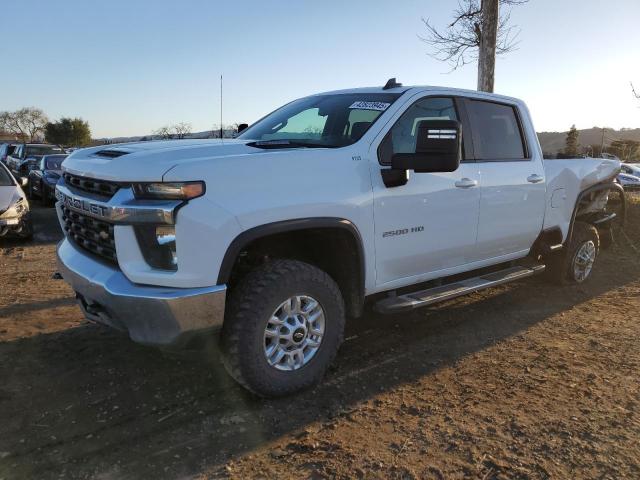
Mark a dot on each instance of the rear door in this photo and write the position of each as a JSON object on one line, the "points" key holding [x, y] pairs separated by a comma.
{"points": [[512, 195]]}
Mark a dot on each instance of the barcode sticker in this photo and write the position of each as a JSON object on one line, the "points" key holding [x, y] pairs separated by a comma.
{"points": [[379, 106]]}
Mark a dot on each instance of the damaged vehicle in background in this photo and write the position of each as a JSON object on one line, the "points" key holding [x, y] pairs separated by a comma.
{"points": [[15, 217]]}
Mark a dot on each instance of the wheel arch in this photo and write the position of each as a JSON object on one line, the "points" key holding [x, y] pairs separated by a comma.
{"points": [[610, 185], [352, 286]]}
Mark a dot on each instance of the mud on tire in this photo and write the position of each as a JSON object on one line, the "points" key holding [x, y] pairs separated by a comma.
{"points": [[251, 307], [561, 267]]}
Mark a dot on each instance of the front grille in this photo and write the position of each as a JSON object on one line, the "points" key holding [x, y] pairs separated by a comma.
{"points": [[95, 236], [99, 187]]}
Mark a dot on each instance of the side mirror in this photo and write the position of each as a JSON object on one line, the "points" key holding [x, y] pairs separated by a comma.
{"points": [[438, 148], [24, 181], [242, 126]]}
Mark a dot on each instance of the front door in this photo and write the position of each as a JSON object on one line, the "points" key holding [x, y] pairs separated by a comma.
{"points": [[430, 224]]}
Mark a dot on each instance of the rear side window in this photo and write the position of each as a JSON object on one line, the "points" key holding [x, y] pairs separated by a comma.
{"points": [[496, 131]]}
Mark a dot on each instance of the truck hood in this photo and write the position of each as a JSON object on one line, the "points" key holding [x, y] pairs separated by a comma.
{"points": [[149, 161]]}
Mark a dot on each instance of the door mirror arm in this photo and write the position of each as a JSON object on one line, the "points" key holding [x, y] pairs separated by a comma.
{"points": [[438, 149]]}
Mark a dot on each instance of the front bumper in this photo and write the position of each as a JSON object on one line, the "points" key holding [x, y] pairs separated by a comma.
{"points": [[162, 316], [20, 224]]}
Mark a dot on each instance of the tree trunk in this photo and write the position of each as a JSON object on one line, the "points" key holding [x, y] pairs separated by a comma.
{"points": [[488, 39]]}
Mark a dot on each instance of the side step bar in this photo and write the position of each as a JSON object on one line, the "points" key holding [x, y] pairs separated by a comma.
{"points": [[430, 296]]}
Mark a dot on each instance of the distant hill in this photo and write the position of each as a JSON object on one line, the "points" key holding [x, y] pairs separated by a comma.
{"points": [[553, 142]]}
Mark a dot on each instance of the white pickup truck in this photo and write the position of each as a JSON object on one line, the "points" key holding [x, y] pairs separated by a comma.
{"points": [[396, 196]]}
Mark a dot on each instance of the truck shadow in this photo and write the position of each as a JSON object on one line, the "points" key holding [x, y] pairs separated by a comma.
{"points": [[88, 401]]}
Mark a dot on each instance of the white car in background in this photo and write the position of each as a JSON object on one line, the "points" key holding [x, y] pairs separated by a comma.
{"points": [[629, 182], [15, 217], [630, 169]]}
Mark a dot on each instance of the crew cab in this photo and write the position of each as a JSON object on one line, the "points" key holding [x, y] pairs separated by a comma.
{"points": [[395, 196]]}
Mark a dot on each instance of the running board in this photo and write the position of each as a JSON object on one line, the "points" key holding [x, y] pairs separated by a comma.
{"points": [[430, 296]]}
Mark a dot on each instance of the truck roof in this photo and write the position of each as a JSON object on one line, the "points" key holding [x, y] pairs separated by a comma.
{"points": [[419, 88]]}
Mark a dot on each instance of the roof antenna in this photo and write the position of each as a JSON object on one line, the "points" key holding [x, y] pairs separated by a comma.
{"points": [[391, 83]]}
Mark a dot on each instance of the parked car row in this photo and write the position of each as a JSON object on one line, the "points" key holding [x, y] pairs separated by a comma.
{"points": [[26, 155]]}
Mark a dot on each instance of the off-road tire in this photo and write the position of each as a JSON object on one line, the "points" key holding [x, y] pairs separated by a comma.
{"points": [[560, 266], [250, 306]]}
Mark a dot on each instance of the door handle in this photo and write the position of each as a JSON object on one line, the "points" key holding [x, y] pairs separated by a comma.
{"points": [[466, 183], [535, 178]]}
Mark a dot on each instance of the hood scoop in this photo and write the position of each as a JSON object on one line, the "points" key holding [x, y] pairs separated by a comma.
{"points": [[111, 153]]}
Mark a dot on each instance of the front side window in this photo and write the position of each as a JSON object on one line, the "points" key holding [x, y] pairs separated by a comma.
{"points": [[334, 120], [496, 131], [403, 135]]}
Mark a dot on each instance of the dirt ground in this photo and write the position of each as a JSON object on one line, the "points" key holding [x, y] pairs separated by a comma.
{"points": [[521, 381]]}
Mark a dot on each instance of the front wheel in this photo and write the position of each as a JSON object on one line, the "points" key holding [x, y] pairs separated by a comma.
{"points": [[575, 264], [282, 329]]}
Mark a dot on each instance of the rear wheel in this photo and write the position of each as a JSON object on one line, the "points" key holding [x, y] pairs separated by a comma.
{"points": [[575, 264], [282, 329]]}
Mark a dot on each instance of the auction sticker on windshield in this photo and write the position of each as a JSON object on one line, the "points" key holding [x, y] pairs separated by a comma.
{"points": [[379, 106]]}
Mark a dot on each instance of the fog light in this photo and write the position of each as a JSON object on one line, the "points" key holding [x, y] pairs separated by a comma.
{"points": [[166, 238], [165, 235], [158, 245]]}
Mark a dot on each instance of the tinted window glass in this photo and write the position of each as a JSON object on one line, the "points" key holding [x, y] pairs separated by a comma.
{"points": [[402, 136], [41, 150], [54, 162], [334, 120], [496, 132]]}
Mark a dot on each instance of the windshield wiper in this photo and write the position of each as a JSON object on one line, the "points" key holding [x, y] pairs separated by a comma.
{"points": [[287, 144]]}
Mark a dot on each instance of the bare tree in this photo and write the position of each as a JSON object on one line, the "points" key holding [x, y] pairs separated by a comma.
{"points": [[164, 133], [478, 32], [634, 91], [26, 123], [34, 121], [182, 129]]}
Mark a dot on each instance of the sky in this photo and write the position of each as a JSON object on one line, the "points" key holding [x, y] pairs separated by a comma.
{"points": [[130, 67]]}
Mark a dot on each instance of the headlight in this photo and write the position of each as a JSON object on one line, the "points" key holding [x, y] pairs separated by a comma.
{"points": [[16, 209], [158, 245], [168, 191]]}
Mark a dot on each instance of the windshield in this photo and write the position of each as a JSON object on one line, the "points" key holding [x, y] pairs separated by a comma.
{"points": [[334, 120], [41, 150], [54, 162], [5, 178]]}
